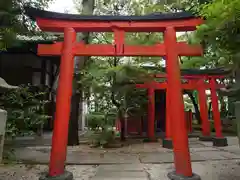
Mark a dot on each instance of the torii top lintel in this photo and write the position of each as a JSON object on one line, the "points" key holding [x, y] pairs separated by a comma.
{"points": [[157, 22]]}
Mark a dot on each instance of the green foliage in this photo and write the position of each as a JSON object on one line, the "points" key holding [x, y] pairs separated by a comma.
{"points": [[102, 138], [220, 32], [13, 21], [25, 108], [95, 120], [101, 124]]}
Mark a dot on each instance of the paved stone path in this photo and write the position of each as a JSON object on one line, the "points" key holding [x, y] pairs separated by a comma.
{"points": [[145, 153], [147, 161], [208, 170]]}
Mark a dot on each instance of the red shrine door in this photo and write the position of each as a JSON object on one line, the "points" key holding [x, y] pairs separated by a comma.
{"points": [[169, 24]]}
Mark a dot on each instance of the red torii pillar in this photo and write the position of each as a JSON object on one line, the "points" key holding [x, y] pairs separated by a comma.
{"points": [[151, 110], [206, 132], [219, 140], [63, 104], [179, 130], [167, 141], [151, 114]]}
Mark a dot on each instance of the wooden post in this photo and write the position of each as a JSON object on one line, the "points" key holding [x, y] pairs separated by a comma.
{"points": [[63, 103], [219, 140], [179, 130], [167, 141], [206, 134], [168, 115], [215, 109], [151, 114]]}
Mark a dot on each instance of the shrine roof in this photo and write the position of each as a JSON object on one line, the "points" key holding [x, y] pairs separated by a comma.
{"points": [[210, 72], [37, 13], [213, 71]]}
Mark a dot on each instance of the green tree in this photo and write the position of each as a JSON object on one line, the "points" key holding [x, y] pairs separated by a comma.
{"points": [[114, 78], [220, 34], [13, 20], [84, 7], [26, 110]]}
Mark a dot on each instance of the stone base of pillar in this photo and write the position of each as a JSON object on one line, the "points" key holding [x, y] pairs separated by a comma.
{"points": [[174, 176], [65, 176], [150, 140], [167, 143], [220, 142], [205, 138]]}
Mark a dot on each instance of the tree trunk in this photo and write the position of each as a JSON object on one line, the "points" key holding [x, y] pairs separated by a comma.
{"points": [[73, 138], [120, 115], [122, 121], [209, 110], [197, 112], [223, 110]]}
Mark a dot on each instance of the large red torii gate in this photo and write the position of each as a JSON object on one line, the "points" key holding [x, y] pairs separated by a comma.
{"points": [[169, 24]]}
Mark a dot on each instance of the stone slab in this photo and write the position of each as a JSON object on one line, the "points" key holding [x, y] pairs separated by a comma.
{"points": [[194, 149], [116, 178], [232, 141], [196, 145], [206, 144], [217, 170], [121, 167], [104, 158], [157, 158], [230, 148], [82, 171], [197, 157], [216, 155], [229, 155], [31, 156], [120, 175], [73, 157], [159, 171], [208, 170]]}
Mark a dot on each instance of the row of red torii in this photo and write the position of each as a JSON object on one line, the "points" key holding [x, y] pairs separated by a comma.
{"points": [[169, 24], [201, 83]]}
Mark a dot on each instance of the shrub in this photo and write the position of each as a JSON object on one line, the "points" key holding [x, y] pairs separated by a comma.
{"points": [[101, 124], [25, 107], [95, 120]]}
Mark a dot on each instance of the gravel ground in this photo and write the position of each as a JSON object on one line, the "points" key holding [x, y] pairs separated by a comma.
{"points": [[32, 172], [208, 170]]}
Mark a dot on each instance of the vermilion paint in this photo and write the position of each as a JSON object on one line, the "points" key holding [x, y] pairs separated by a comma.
{"points": [[63, 104], [215, 110], [151, 113], [168, 114], [119, 48], [171, 49], [106, 26], [203, 108], [178, 128]]}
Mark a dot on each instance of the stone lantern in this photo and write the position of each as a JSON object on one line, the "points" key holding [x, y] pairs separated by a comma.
{"points": [[4, 86]]}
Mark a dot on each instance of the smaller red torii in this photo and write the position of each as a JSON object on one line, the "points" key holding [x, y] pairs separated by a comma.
{"points": [[194, 82]]}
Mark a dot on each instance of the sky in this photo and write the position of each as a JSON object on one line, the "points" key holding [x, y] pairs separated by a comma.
{"points": [[62, 6]]}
